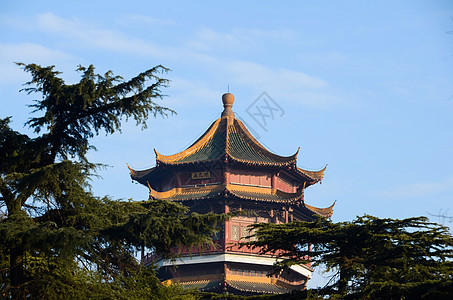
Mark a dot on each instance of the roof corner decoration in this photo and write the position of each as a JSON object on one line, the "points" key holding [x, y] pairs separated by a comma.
{"points": [[141, 176], [324, 212], [130, 169], [314, 176], [297, 152]]}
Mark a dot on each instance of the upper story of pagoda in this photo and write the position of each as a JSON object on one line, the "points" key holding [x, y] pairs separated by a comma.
{"points": [[227, 139], [227, 161]]}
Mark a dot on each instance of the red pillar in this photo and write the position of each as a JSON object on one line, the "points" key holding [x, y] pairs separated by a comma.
{"points": [[226, 238], [274, 181]]}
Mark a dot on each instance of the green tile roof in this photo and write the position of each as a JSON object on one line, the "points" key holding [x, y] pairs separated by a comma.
{"points": [[227, 138]]}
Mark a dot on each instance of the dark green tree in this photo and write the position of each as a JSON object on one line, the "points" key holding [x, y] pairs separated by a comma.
{"points": [[58, 239], [371, 258]]}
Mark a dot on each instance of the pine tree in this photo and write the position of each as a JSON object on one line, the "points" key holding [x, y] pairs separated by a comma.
{"points": [[56, 235], [371, 258]]}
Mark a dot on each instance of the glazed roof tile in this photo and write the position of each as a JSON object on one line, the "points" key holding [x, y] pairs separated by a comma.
{"points": [[239, 285], [228, 138], [188, 193], [265, 194], [202, 285], [262, 193], [257, 287], [240, 191]]}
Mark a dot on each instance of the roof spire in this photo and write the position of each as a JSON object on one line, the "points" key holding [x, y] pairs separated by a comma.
{"points": [[228, 100]]}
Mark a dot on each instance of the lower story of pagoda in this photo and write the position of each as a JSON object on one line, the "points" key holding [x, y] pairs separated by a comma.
{"points": [[236, 273], [225, 266]]}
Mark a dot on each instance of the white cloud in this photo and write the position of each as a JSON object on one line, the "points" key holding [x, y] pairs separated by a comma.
{"points": [[85, 34], [290, 85], [330, 58], [133, 19], [419, 189], [195, 90], [251, 73], [274, 34], [27, 53], [237, 38]]}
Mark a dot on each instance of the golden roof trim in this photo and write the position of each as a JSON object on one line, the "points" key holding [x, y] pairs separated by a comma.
{"points": [[261, 163], [183, 190], [257, 193], [192, 148], [229, 125]]}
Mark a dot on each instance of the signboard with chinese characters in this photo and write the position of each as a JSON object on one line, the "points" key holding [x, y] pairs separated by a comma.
{"points": [[201, 175]]}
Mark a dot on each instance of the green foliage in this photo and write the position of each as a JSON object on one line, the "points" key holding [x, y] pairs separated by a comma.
{"points": [[52, 280], [58, 239], [157, 234], [74, 113], [372, 258]]}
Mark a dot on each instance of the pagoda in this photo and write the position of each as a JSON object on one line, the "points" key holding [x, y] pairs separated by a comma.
{"points": [[226, 170]]}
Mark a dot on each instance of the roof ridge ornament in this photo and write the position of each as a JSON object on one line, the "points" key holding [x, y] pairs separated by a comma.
{"points": [[228, 100]]}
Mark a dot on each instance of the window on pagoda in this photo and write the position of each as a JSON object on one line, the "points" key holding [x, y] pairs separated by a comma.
{"points": [[252, 232], [244, 232], [235, 233]]}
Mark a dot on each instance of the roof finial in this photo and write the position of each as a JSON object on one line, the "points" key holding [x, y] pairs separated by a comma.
{"points": [[228, 100]]}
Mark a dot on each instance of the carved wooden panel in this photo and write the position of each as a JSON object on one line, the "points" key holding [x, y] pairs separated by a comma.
{"points": [[235, 233]]}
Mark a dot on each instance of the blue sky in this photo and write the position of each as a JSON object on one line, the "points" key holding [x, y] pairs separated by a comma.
{"points": [[366, 87]]}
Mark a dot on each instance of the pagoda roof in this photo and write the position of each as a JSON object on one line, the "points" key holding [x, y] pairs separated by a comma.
{"points": [[246, 192], [227, 138], [148, 175], [239, 191], [241, 286], [258, 287], [188, 193]]}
